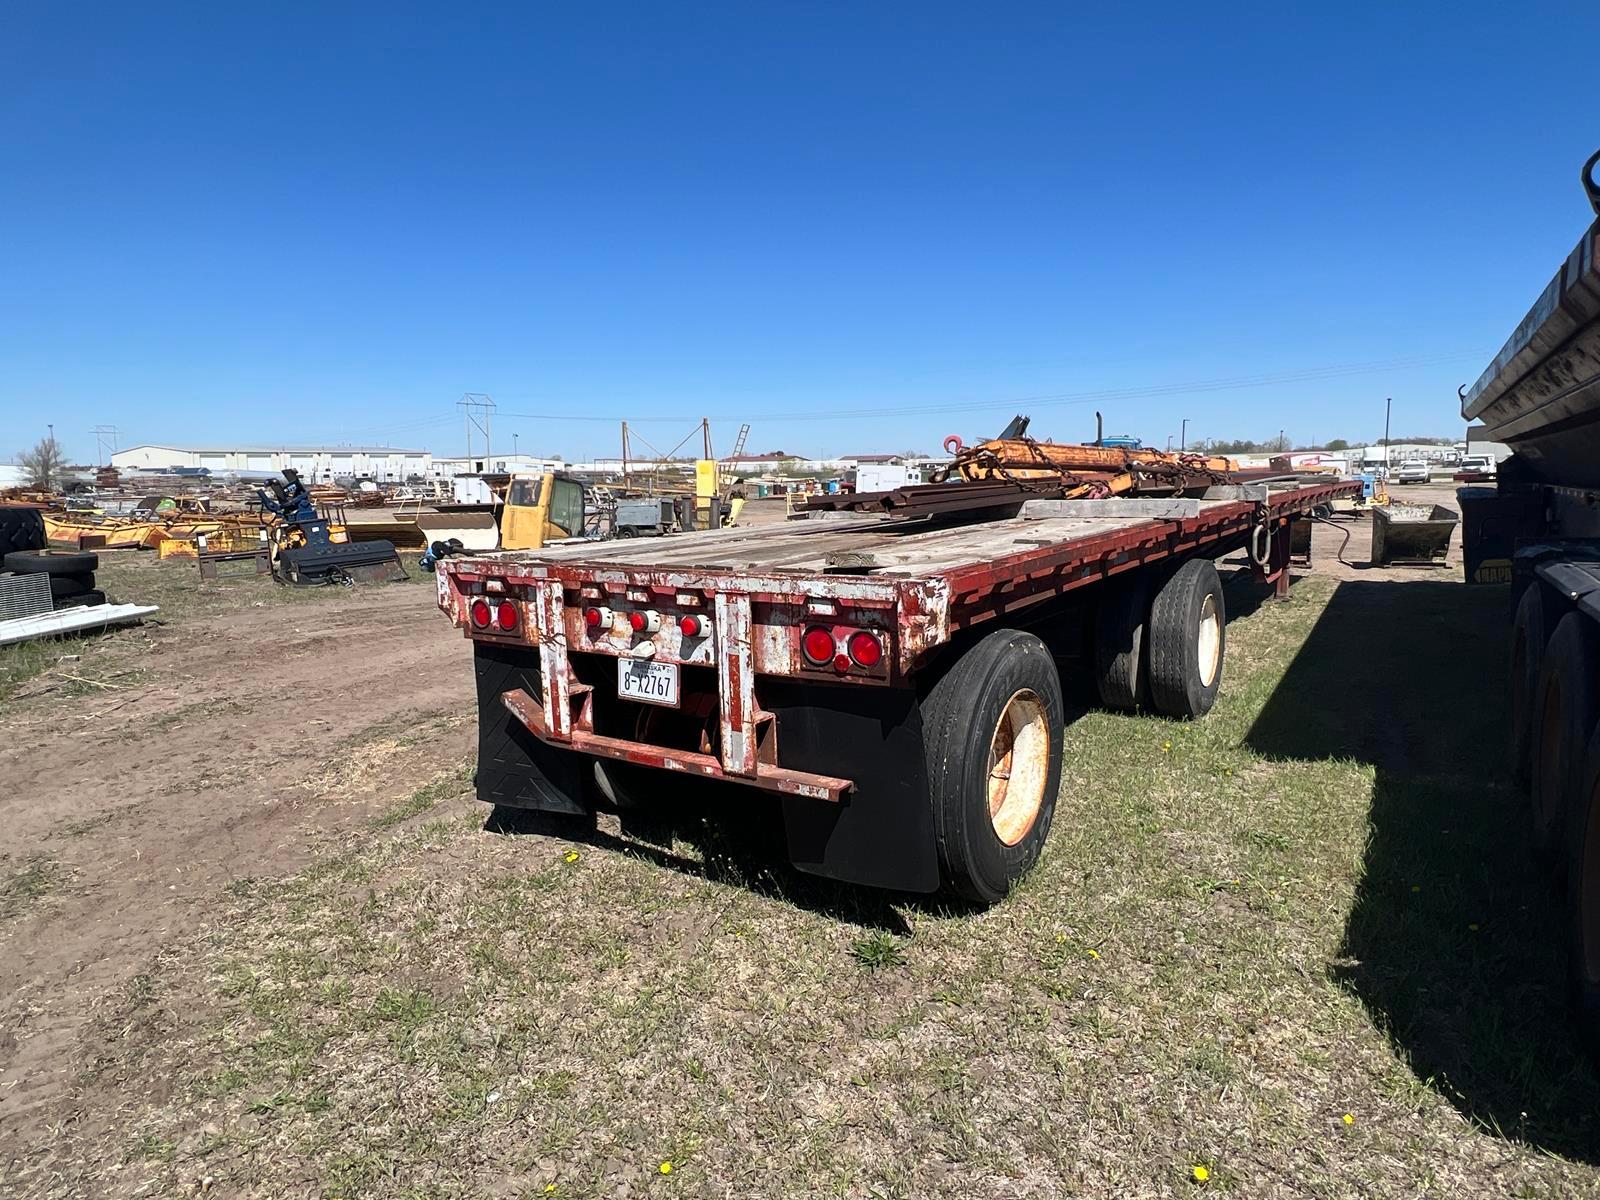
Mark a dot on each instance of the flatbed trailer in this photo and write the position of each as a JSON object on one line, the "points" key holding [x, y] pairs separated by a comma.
{"points": [[1538, 530], [892, 683]]}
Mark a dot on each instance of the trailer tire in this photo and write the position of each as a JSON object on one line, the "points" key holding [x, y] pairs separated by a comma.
{"points": [[82, 600], [1530, 632], [1583, 902], [51, 562], [1566, 706], [993, 734], [21, 529], [1188, 641], [1119, 636], [63, 586]]}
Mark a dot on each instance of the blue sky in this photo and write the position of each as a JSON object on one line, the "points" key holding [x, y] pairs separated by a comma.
{"points": [[856, 226]]}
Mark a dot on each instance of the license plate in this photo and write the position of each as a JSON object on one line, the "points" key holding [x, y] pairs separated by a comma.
{"points": [[647, 682]]}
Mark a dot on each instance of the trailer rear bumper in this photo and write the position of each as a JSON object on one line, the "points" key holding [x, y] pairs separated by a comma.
{"points": [[767, 777]]}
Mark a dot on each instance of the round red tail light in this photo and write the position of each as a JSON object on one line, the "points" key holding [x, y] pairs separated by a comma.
{"points": [[865, 648], [817, 645], [591, 618], [480, 613], [506, 616], [691, 626], [636, 619]]}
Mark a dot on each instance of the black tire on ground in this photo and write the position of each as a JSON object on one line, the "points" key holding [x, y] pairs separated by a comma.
{"points": [[1530, 630], [63, 586], [81, 600], [992, 727], [51, 562], [1188, 641], [1119, 637], [1583, 901], [21, 529], [1566, 706]]}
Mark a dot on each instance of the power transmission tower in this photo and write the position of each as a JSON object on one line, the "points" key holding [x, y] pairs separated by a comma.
{"points": [[104, 435], [478, 408]]}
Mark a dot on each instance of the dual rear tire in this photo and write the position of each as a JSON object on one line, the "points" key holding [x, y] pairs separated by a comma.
{"points": [[1166, 651]]}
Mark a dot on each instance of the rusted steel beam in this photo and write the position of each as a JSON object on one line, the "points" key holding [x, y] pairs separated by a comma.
{"points": [[766, 776]]}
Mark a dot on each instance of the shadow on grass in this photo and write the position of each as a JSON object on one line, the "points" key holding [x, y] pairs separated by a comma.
{"points": [[739, 841], [1453, 942]]}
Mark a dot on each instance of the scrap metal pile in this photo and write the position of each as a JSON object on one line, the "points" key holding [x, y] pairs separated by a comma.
{"points": [[1003, 472]]}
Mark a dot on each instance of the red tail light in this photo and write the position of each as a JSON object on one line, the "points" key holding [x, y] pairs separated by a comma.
{"points": [[841, 663], [480, 613], [692, 626], [644, 620], [636, 619], [865, 648], [506, 615], [591, 618], [817, 645]]}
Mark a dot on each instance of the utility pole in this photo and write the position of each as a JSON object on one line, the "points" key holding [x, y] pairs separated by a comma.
{"points": [[1282, 445], [1183, 437], [1169, 443], [1387, 404], [104, 435], [513, 445], [478, 408]]}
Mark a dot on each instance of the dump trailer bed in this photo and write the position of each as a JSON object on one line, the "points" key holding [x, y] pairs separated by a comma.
{"points": [[812, 660], [1541, 394]]}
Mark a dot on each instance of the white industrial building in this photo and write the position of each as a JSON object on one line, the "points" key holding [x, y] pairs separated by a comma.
{"points": [[316, 464]]}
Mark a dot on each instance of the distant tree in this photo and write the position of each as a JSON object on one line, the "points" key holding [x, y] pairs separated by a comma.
{"points": [[912, 454], [1337, 444], [44, 465]]}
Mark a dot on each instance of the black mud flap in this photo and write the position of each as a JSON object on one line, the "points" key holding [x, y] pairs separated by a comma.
{"points": [[881, 834], [516, 769]]}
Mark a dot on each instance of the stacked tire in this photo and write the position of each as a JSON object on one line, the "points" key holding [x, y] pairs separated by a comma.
{"points": [[71, 574]]}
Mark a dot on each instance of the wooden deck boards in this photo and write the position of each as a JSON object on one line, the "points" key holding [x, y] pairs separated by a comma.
{"points": [[869, 547]]}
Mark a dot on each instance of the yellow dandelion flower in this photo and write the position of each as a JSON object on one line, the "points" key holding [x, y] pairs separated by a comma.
{"points": [[1473, 926], [666, 1168], [1201, 1174], [1349, 1119], [1416, 887], [1166, 747], [1094, 954], [571, 856]]}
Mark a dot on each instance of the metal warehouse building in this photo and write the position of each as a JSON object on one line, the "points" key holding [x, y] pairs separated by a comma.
{"points": [[317, 464]]}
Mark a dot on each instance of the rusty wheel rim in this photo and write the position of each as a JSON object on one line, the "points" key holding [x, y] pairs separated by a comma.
{"points": [[1019, 764], [1210, 639]]}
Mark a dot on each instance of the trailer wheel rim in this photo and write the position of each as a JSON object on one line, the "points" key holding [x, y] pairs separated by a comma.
{"points": [[1589, 889], [1019, 765], [1210, 640]]}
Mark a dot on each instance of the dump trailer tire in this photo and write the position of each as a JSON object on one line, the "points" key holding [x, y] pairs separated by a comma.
{"points": [[1188, 641], [1119, 637], [993, 735], [1566, 707], [1530, 632], [64, 586], [21, 529], [81, 600], [1583, 901], [51, 562]]}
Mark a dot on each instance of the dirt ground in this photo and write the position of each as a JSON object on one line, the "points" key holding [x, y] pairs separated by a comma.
{"points": [[248, 740], [256, 940]]}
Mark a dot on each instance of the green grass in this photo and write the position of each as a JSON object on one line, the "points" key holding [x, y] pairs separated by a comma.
{"points": [[1243, 930], [24, 884]]}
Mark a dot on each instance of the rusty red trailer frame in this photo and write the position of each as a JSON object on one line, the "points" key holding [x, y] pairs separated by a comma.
{"points": [[756, 617]]}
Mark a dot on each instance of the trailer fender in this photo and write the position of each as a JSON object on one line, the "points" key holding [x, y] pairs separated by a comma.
{"points": [[881, 834], [516, 769]]}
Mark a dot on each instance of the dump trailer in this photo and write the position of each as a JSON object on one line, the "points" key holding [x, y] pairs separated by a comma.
{"points": [[889, 679], [1538, 530]]}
